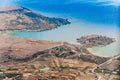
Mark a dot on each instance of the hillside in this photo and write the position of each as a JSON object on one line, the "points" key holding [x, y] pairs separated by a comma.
{"points": [[29, 59], [113, 64], [16, 18], [21, 49]]}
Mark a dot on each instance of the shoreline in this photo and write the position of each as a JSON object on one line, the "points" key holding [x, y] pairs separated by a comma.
{"points": [[90, 50], [10, 32]]}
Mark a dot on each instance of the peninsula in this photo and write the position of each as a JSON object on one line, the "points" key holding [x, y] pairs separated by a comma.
{"points": [[17, 18]]}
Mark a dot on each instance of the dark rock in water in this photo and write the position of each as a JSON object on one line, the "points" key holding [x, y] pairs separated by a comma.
{"points": [[95, 40], [22, 19]]}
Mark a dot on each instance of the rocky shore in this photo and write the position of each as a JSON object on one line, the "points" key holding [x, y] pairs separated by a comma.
{"points": [[95, 40]]}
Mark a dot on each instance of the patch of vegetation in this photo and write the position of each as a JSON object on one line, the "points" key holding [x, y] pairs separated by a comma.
{"points": [[41, 59], [118, 58], [12, 69], [52, 77], [107, 71], [45, 55], [15, 62], [33, 67], [116, 79], [11, 75], [0, 69], [41, 67], [83, 49], [98, 70], [67, 67], [85, 69], [71, 53]]}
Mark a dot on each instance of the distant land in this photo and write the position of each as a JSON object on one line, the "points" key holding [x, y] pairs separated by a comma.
{"points": [[17, 18]]}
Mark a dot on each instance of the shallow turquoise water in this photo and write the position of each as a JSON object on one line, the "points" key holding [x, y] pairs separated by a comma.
{"points": [[106, 51], [70, 33]]}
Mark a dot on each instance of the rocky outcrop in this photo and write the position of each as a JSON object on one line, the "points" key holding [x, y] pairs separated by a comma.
{"points": [[16, 18], [95, 40]]}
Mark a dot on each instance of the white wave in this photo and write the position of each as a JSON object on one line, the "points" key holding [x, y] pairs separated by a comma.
{"points": [[104, 2], [111, 2]]}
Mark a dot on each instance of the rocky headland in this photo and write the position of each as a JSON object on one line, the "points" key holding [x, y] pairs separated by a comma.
{"points": [[17, 18], [95, 40]]}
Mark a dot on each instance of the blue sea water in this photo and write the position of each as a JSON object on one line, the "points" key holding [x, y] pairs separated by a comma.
{"points": [[87, 17], [83, 10], [96, 11]]}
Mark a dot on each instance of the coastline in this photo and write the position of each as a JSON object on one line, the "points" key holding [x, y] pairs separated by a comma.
{"points": [[105, 51], [7, 33], [42, 37], [90, 50], [47, 35]]}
